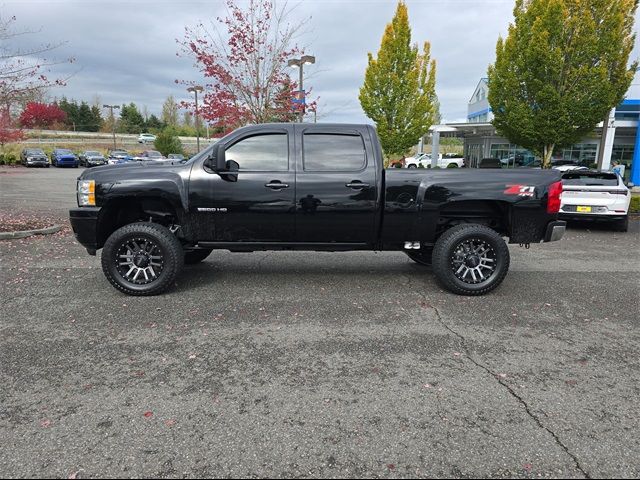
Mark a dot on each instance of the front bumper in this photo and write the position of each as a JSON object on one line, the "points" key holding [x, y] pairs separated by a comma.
{"points": [[555, 231], [84, 221]]}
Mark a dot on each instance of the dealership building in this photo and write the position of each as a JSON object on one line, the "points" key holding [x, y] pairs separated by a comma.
{"points": [[621, 142]]}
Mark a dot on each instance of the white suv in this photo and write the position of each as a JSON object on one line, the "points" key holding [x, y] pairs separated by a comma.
{"points": [[424, 159], [146, 137], [590, 195]]}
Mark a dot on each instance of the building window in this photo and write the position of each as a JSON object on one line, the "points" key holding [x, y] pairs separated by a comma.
{"points": [[623, 154], [511, 155]]}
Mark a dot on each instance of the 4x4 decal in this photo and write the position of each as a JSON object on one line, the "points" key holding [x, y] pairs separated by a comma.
{"points": [[521, 190]]}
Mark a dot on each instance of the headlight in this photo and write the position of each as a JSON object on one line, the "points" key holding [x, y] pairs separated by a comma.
{"points": [[86, 193]]}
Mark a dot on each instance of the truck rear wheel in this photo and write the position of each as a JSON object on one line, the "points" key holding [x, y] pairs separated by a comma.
{"points": [[470, 259], [196, 256], [142, 258]]}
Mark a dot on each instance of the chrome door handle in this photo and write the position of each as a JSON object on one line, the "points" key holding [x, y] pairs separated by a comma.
{"points": [[276, 185], [356, 184]]}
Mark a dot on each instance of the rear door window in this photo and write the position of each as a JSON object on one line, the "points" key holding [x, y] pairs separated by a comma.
{"points": [[326, 152]]}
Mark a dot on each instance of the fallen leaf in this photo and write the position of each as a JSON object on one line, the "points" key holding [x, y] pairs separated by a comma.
{"points": [[148, 414]]}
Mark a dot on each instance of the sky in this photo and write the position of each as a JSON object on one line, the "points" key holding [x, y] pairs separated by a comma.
{"points": [[125, 50]]}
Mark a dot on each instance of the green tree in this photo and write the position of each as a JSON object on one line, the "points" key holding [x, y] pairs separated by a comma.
{"points": [[563, 66], [131, 120], [166, 143], [399, 87], [96, 119], [154, 123], [170, 111]]}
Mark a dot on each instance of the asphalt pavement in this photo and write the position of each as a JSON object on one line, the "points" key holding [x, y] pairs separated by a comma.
{"points": [[321, 365]]}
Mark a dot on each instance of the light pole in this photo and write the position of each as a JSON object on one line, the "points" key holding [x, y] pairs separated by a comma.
{"points": [[195, 89], [113, 121], [300, 62]]}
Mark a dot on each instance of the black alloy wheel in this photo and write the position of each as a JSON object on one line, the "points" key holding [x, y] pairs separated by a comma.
{"points": [[470, 259], [142, 258]]}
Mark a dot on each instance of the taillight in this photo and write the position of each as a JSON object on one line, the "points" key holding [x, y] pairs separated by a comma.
{"points": [[618, 192], [553, 202]]}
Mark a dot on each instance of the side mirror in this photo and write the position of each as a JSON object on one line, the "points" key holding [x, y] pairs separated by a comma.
{"points": [[221, 164], [231, 169]]}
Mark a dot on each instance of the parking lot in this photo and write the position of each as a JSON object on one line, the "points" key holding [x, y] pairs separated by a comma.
{"points": [[322, 365]]}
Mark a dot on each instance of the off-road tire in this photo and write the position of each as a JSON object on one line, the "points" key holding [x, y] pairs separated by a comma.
{"points": [[445, 256], [196, 256], [165, 242]]}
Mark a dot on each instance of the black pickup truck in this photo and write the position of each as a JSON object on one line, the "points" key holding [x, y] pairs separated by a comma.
{"points": [[317, 187]]}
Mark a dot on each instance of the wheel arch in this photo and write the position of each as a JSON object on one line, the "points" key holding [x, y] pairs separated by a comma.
{"points": [[122, 211]]}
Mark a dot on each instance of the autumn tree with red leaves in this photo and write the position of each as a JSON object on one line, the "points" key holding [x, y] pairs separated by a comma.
{"points": [[244, 59], [41, 115], [8, 132]]}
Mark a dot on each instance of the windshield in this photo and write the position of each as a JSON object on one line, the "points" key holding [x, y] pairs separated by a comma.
{"points": [[35, 151], [64, 151], [590, 179], [93, 154]]}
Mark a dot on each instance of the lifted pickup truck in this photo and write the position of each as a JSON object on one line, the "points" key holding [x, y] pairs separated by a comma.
{"points": [[320, 187]]}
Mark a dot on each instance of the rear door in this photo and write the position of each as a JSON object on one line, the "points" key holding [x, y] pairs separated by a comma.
{"points": [[336, 193]]}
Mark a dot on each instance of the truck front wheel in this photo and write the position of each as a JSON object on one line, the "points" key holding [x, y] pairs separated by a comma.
{"points": [[470, 259], [142, 258]]}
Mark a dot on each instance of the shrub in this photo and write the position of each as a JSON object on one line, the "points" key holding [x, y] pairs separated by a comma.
{"points": [[166, 143], [634, 207]]}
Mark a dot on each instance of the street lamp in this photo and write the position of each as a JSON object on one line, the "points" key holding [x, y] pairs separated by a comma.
{"points": [[113, 121], [299, 63], [195, 89]]}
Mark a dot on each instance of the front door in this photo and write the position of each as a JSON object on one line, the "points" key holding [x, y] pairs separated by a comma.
{"points": [[259, 206]]}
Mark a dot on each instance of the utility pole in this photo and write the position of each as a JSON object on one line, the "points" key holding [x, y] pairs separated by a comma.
{"points": [[113, 121], [195, 89], [299, 63]]}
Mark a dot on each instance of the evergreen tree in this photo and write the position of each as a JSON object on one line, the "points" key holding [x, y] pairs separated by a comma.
{"points": [[96, 119], [399, 87], [563, 66], [154, 123], [166, 143], [131, 120]]}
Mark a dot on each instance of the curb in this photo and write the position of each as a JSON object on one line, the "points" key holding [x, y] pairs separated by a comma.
{"points": [[28, 233]]}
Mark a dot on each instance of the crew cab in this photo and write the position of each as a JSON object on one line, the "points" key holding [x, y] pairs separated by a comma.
{"points": [[316, 187]]}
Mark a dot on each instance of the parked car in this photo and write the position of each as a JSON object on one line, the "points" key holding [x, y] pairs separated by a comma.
{"points": [[596, 196], [566, 168], [249, 192], [34, 157], [63, 157], [118, 156], [424, 160], [176, 156], [91, 158], [150, 155], [146, 138]]}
